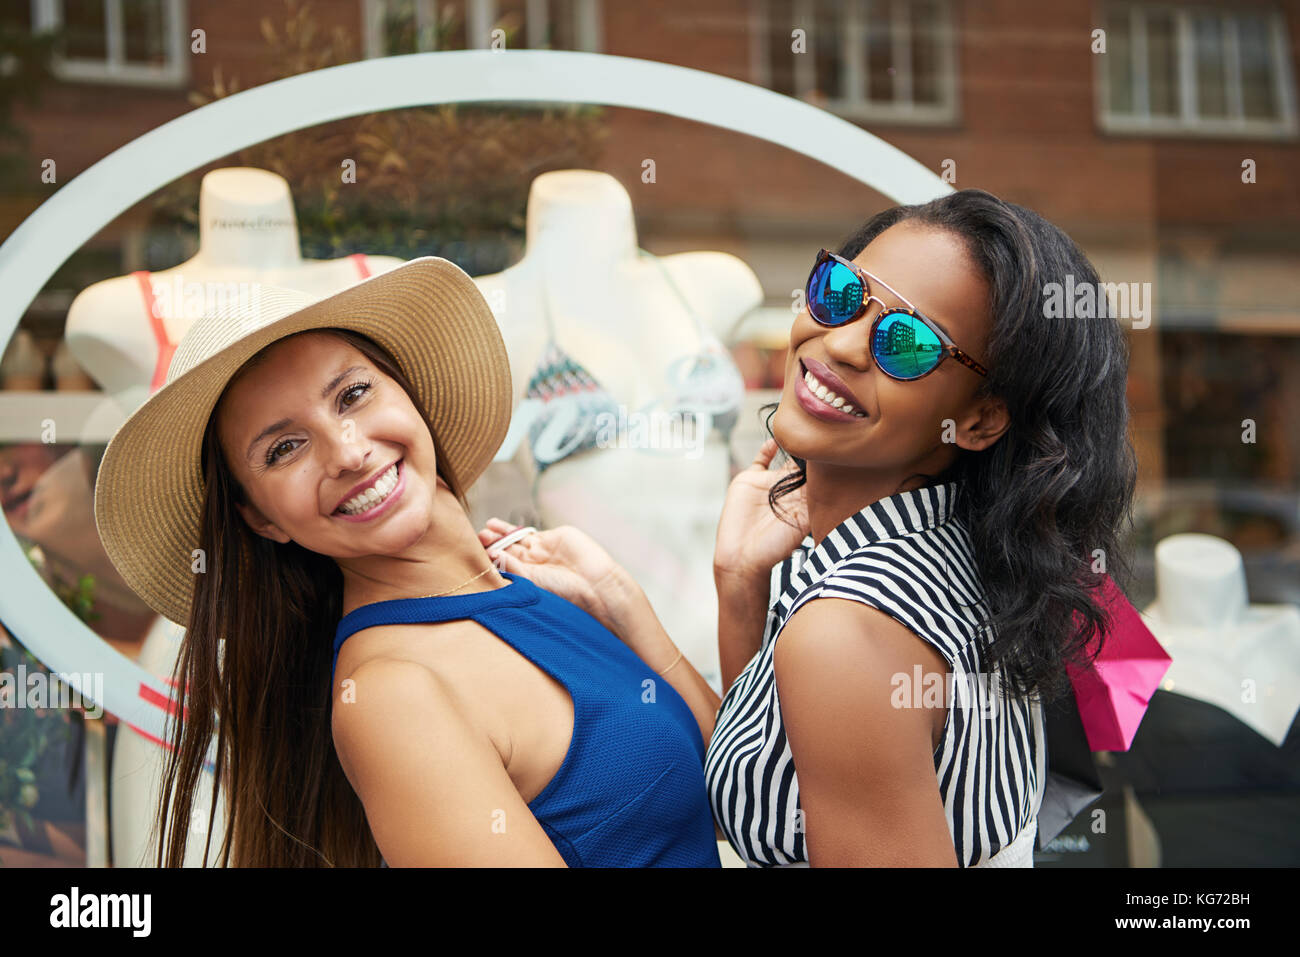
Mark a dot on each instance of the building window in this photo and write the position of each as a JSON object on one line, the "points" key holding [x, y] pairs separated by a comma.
{"points": [[396, 27], [890, 60], [137, 42], [1195, 70]]}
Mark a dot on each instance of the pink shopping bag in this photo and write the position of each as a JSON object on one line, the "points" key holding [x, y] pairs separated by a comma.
{"points": [[1114, 692]]}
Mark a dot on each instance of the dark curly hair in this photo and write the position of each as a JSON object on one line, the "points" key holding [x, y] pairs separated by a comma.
{"points": [[1055, 491]]}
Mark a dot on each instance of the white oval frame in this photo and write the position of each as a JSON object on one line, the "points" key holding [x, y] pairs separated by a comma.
{"points": [[77, 211]]}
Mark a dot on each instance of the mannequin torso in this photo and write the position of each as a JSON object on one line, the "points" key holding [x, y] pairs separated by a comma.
{"points": [[633, 324], [120, 330]]}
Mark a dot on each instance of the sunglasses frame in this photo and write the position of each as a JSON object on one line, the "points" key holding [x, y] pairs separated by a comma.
{"points": [[949, 347]]}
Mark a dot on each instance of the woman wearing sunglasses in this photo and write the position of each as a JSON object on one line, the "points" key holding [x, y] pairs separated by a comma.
{"points": [[928, 561]]}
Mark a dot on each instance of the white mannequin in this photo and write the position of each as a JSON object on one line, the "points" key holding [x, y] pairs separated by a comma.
{"points": [[138, 774], [110, 335], [616, 315], [1241, 657], [108, 330]]}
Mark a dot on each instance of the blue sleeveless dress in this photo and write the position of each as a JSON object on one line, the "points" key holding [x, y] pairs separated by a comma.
{"points": [[631, 791]]}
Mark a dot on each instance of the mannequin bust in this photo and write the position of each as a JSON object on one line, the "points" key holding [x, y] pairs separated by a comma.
{"points": [[1242, 657], [137, 775], [636, 325], [247, 234]]}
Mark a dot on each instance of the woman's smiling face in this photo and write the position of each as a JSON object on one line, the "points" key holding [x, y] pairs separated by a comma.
{"points": [[897, 427], [312, 424]]}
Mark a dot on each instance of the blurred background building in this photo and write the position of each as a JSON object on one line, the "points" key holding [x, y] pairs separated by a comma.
{"points": [[1165, 145]]}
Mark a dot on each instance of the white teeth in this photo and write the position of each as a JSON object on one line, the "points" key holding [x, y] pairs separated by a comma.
{"points": [[829, 397], [373, 495]]}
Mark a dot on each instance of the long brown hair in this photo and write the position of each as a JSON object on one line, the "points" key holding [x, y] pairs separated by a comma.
{"points": [[266, 688]]}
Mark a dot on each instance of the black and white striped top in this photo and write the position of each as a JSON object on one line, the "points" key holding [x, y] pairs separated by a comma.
{"points": [[908, 556]]}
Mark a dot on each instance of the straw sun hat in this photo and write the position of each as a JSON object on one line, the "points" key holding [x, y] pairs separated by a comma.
{"points": [[427, 313]]}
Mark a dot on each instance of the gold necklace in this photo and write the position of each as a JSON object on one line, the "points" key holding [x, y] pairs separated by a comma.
{"points": [[462, 584]]}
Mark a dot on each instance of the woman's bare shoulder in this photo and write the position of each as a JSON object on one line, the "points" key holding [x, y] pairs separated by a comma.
{"points": [[425, 660], [429, 645]]}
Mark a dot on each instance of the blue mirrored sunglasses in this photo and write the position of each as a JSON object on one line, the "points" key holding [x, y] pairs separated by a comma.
{"points": [[905, 344]]}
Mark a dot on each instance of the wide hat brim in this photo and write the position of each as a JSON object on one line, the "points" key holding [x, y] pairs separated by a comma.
{"points": [[427, 313]]}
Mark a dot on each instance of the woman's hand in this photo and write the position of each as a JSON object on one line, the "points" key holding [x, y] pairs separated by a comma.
{"points": [[751, 538], [568, 563]]}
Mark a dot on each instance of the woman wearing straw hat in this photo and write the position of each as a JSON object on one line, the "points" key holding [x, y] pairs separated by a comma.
{"points": [[294, 496]]}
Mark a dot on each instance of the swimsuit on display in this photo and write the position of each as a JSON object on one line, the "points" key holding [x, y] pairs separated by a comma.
{"points": [[572, 407], [630, 792], [165, 346]]}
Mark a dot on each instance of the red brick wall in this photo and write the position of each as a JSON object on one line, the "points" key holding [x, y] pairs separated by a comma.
{"points": [[1026, 127]]}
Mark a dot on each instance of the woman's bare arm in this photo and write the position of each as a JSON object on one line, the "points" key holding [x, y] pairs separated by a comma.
{"points": [[435, 789], [742, 616], [751, 540], [867, 784]]}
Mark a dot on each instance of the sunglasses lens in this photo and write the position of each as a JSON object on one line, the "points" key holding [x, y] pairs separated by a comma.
{"points": [[834, 293], [905, 347]]}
